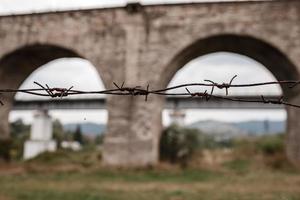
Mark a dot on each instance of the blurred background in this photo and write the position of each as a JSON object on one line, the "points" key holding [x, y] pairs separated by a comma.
{"points": [[220, 152]]}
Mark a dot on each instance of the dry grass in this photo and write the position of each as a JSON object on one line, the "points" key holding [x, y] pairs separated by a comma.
{"points": [[226, 177]]}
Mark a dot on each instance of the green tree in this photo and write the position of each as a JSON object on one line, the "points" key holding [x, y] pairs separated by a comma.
{"points": [[178, 144], [99, 139], [18, 128], [58, 132], [19, 132], [78, 135]]}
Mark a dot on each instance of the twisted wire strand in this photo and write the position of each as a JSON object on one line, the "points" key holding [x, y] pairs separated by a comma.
{"points": [[122, 90]]}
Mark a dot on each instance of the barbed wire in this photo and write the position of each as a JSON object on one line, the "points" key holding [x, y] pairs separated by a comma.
{"points": [[56, 92]]}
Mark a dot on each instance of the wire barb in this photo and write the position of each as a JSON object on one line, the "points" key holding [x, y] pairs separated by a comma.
{"points": [[295, 84], [134, 91], [278, 101], [55, 92], [199, 94], [223, 85]]}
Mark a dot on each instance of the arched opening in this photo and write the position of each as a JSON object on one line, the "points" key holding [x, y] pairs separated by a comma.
{"points": [[269, 56], [57, 67], [263, 55], [221, 67]]}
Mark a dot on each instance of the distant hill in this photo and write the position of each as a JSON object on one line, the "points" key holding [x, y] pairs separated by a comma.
{"points": [[91, 129], [220, 130], [239, 129], [262, 127]]}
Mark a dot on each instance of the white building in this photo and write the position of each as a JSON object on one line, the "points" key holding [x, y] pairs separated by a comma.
{"points": [[40, 136], [177, 117]]}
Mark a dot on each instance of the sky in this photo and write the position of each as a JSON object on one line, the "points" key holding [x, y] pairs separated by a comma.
{"points": [[29, 6], [220, 67]]}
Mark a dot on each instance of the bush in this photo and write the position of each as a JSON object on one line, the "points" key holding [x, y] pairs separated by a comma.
{"points": [[271, 145], [177, 144], [59, 156], [5, 149], [272, 148], [19, 133]]}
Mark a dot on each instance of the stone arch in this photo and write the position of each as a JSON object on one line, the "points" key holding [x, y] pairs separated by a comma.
{"points": [[17, 65], [268, 55]]}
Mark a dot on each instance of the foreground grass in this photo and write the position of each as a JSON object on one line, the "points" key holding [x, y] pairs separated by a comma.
{"points": [[150, 184], [71, 176]]}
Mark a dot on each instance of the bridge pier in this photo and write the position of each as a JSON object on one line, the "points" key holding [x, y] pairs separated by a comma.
{"points": [[292, 139], [134, 128], [4, 113], [134, 125], [5, 138]]}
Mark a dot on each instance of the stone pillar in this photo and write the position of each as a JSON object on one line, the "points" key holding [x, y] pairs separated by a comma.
{"points": [[134, 125], [292, 139], [5, 139], [40, 136], [134, 128], [4, 113]]}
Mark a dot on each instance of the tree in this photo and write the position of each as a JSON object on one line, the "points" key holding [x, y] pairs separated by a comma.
{"points": [[58, 132], [18, 128], [178, 144], [99, 139], [13, 148], [78, 135]]}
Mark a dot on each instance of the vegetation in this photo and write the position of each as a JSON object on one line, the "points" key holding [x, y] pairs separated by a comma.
{"points": [[78, 135], [178, 144], [99, 139], [270, 145], [12, 149], [19, 134], [79, 175], [245, 169], [58, 132]]}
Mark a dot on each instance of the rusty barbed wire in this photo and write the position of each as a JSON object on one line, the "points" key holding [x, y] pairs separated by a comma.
{"points": [[56, 92]]}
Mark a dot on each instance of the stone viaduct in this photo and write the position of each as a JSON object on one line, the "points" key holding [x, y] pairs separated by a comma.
{"points": [[146, 45]]}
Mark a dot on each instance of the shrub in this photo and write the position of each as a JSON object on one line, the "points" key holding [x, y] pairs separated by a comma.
{"points": [[177, 144], [272, 148], [5, 149], [19, 133], [271, 145]]}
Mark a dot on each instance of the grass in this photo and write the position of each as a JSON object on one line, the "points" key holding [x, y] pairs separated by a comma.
{"points": [[238, 165], [77, 176], [150, 184]]}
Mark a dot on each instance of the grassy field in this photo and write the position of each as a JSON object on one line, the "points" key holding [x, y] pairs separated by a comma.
{"points": [[71, 176]]}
